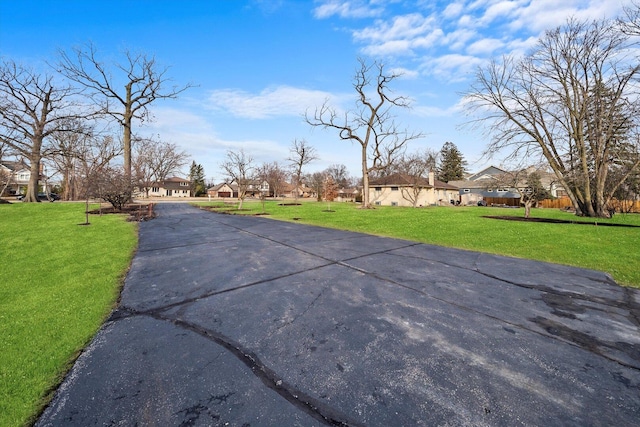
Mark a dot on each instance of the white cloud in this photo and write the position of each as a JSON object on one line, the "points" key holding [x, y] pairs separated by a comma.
{"points": [[402, 36], [497, 10], [484, 46], [271, 102], [401, 27], [389, 48], [546, 14], [519, 47], [180, 126], [453, 67], [406, 73], [346, 9], [434, 111], [453, 10], [480, 28], [458, 39], [196, 135]]}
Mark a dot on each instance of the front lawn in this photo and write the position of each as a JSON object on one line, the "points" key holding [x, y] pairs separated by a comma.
{"points": [[615, 250], [58, 282]]}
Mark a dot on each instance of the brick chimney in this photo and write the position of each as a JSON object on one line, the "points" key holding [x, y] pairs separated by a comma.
{"points": [[432, 179]]}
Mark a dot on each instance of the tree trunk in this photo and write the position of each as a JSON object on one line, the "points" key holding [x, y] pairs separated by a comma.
{"points": [[126, 145], [9, 178], [365, 179], [126, 137], [66, 178], [34, 159]]}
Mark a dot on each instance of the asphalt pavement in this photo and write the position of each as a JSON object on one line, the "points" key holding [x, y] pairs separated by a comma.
{"points": [[247, 321]]}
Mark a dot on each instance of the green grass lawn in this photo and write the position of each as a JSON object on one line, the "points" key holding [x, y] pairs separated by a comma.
{"points": [[615, 250], [58, 282]]}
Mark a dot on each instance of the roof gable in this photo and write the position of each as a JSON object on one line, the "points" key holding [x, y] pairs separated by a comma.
{"points": [[486, 173]]}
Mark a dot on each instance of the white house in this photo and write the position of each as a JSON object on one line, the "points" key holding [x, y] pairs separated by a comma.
{"points": [[405, 190], [171, 187], [15, 177]]}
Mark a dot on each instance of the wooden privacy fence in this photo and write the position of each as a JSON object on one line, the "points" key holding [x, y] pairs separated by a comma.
{"points": [[565, 202], [560, 203], [502, 201]]}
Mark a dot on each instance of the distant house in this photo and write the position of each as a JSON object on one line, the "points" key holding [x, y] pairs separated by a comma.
{"points": [[405, 190], [15, 177], [488, 187], [231, 190], [171, 187], [290, 190], [347, 194], [483, 187], [224, 190], [256, 188]]}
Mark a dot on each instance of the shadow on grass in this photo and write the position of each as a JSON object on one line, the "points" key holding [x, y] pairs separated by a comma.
{"points": [[557, 221]]}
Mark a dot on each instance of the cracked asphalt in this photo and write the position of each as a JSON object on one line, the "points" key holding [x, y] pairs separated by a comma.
{"points": [[247, 321]]}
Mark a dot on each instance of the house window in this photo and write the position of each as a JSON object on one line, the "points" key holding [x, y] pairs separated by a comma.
{"points": [[394, 203], [377, 203], [184, 184], [155, 189], [502, 190], [466, 190], [23, 176], [394, 188], [378, 188], [490, 191]]}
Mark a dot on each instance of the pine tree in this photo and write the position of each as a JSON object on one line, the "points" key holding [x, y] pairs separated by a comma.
{"points": [[452, 164], [196, 176]]}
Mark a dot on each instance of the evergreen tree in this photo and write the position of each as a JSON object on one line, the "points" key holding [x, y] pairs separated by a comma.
{"points": [[452, 164], [196, 176]]}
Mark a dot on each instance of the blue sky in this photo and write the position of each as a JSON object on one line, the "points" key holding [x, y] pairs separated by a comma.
{"points": [[260, 64]]}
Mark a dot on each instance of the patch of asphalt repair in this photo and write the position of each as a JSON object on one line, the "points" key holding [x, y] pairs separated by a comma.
{"points": [[228, 320]]}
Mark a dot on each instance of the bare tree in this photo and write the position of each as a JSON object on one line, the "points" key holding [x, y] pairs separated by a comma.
{"points": [[93, 158], [6, 176], [316, 182], [371, 124], [339, 174], [629, 23], [154, 161], [112, 185], [412, 168], [239, 168], [527, 183], [330, 191], [275, 176], [66, 146], [32, 108], [144, 82], [302, 153], [572, 101]]}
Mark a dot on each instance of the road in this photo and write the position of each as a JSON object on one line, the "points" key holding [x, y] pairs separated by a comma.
{"points": [[247, 321]]}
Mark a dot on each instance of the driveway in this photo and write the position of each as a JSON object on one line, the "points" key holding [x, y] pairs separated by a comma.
{"points": [[247, 321]]}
